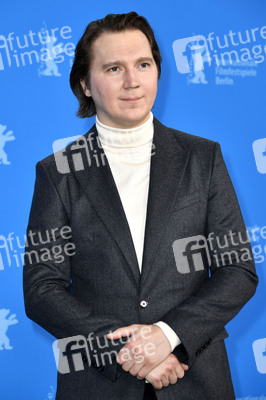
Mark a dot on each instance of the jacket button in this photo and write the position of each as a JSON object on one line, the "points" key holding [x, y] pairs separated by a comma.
{"points": [[143, 304]]}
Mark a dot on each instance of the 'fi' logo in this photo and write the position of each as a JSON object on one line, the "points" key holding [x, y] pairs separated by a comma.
{"points": [[191, 254], [79, 151], [191, 53], [259, 149], [71, 353], [259, 350]]}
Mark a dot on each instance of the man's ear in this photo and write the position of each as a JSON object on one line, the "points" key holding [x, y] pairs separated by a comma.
{"points": [[86, 91]]}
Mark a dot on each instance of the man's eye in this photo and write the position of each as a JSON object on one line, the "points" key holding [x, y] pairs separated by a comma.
{"points": [[113, 69], [144, 65]]}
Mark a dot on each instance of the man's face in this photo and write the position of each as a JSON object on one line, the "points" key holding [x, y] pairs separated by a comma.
{"points": [[123, 78]]}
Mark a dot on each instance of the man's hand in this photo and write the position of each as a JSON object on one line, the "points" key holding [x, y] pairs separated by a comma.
{"points": [[146, 349], [167, 373]]}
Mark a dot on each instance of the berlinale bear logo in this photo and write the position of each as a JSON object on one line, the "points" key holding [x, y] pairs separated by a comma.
{"points": [[4, 324], [4, 137]]}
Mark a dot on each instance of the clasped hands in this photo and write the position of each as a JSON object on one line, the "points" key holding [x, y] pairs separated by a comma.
{"points": [[147, 354]]}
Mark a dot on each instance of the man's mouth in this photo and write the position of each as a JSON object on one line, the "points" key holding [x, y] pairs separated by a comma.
{"points": [[132, 99]]}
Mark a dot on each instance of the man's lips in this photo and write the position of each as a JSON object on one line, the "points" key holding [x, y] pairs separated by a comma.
{"points": [[132, 99]]}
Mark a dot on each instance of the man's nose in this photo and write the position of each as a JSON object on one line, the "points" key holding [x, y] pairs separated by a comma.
{"points": [[131, 80]]}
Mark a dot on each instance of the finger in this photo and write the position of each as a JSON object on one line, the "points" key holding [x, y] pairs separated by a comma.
{"points": [[134, 370], [173, 378], [127, 353], [157, 384], [154, 380], [123, 356], [184, 366], [121, 332], [165, 380], [179, 372], [126, 366], [144, 370]]}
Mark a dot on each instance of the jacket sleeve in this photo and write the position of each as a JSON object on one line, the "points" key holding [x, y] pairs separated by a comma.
{"points": [[47, 282], [232, 278]]}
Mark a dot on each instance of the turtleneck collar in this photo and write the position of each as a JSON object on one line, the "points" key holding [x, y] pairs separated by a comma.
{"points": [[115, 138]]}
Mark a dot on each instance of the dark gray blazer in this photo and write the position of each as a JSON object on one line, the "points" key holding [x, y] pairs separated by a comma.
{"points": [[100, 288]]}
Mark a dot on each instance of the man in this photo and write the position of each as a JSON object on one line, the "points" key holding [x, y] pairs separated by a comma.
{"points": [[147, 286]]}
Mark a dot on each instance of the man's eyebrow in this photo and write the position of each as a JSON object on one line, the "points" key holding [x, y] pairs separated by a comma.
{"points": [[121, 62]]}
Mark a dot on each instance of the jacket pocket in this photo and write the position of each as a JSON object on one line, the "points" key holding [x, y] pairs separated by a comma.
{"points": [[187, 200]]}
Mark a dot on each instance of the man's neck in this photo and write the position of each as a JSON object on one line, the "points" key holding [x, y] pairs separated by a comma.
{"points": [[125, 138]]}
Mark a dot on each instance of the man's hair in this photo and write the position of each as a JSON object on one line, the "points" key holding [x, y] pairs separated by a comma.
{"points": [[83, 54]]}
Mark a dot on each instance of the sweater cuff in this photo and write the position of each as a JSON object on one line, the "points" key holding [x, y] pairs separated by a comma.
{"points": [[169, 333]]}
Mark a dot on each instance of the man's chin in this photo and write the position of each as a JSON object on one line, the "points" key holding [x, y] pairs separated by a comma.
{"points": [[133, 121]]}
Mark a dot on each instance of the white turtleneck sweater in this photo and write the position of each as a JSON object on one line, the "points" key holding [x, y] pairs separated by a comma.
{"points": [[128, 152]]}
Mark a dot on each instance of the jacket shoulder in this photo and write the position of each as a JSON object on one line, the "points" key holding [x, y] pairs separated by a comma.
{"points": [[192, 140], [187, 140]]}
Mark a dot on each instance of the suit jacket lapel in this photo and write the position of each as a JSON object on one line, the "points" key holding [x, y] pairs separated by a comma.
{"points": [[168, 165], [99, 186]]}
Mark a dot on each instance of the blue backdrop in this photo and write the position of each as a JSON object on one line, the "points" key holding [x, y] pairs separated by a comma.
{"points": [[212, 85]]}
